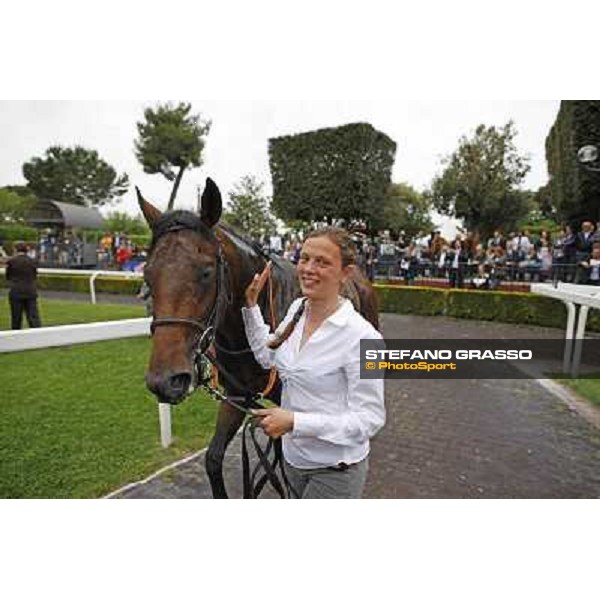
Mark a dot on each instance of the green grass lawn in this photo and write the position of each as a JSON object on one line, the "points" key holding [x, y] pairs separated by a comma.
{"points": [[588, 388], [61, 312], [78, 422]]}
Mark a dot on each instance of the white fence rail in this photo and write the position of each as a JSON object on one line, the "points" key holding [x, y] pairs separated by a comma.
{"points": [[577, 299], [91, 275], [67, 335]]}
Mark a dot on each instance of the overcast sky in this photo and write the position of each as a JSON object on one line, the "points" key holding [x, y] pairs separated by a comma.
{"points": [[237, 144]]}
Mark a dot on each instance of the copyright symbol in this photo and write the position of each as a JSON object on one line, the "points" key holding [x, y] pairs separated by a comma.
{"points": [[370, 365]]}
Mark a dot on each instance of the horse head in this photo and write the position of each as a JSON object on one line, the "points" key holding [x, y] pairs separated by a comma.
{"points": [[184, 273]]}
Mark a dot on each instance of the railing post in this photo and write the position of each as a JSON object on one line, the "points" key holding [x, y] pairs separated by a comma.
{"points": [[92, 286], [164, 414], [581, 322], [571, 315]]}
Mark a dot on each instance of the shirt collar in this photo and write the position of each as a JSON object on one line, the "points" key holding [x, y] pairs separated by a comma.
{"points": [[341, 315]]}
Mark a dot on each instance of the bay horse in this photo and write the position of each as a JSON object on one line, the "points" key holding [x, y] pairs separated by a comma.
{"points": [[198, 271]]}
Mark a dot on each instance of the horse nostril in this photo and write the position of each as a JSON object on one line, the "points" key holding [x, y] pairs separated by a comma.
{"points": [[170, 389], [180, 383]]}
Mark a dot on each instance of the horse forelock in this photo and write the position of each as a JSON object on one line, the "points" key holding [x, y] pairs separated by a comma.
{"points": [[179, 220]]}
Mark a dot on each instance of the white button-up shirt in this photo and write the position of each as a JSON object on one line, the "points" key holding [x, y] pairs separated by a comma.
{"points": [[335, 411]]}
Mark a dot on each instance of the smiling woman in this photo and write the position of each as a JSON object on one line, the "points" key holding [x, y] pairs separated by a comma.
{"points": [[328, 413]]}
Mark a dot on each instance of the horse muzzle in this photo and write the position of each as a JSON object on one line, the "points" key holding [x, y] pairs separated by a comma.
{"points": [[171, 388]]}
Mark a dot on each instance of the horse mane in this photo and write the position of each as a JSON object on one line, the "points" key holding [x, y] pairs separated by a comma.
{"points": [[239, 237], [283, 271]]}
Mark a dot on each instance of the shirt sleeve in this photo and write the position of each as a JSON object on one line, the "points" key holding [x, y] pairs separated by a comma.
{"points": [[257, 332], [365, 415]]}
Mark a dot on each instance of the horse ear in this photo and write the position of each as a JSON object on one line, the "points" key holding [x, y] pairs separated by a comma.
{"points": [[151, 213], [211, 205]]}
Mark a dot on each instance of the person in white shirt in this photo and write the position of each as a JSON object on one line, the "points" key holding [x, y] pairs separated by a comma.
{"points": [[328, 413]]}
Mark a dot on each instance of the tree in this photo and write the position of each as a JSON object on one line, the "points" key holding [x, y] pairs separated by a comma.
{"points": [[249, 208], [333, 173], [406, 209], [171, 137], [120, 221], [481, 179], [13, 206], [74, 175], [573, 193]]}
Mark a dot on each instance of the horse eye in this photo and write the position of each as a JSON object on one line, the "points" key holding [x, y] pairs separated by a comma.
{"points": [[205, 273]]}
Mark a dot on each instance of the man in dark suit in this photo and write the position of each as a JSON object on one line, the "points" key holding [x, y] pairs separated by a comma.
{"points": [[21, 275], [584, 249]]}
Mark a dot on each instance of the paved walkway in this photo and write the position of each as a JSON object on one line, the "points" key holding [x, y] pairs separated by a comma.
{"points": [[452, 439]]}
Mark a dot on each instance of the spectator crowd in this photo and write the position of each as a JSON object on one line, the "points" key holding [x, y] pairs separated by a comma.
{"points": [[470, 261], [466, 260]]}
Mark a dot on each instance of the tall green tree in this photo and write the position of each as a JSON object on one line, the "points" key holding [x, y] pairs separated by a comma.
{"points": [[249, 208], [171, 137], [573, 192], [406, 209], [74, 175], [481, 181], [333, 173]]}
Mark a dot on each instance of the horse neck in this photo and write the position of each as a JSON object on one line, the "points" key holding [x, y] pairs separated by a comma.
{"points": [[243, 262]]}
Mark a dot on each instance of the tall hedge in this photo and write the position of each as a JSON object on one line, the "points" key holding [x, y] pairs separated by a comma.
{"points": [[574, 191], [341, 172]]}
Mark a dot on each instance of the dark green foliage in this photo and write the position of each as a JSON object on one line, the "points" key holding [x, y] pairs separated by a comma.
{"points": [[481, 179], [406, 209], [503, 307], [142, 240], [18, 232], [411, 301], [248, 208], [74, 175], [13, 205], [341, 172], [574, 192], [171, 137], [120, 221], [506, 307]]}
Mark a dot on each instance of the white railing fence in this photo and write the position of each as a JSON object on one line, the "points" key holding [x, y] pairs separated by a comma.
{"points": [[91, 276], [578, 299]]}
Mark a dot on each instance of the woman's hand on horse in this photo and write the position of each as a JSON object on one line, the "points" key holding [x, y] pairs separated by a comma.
{"points": [[275, 422], [256, 286]]}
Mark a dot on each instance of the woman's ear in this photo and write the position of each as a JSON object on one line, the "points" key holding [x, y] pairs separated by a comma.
{"points": [[347, 272]]}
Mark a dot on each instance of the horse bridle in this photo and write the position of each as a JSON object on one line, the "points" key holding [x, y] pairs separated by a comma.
{"points": [[206, 327]]}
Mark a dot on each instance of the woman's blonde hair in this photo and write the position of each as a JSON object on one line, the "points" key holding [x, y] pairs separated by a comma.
{"points": [[341, 238]]}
